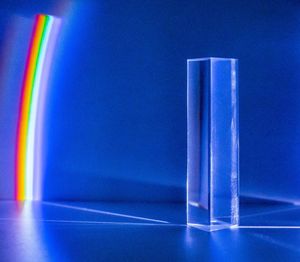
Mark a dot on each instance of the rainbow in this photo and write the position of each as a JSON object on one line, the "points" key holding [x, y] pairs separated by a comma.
{"points": [[25, 173]]}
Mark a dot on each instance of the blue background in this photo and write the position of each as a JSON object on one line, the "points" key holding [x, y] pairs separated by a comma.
{"points": [[116, 109]]}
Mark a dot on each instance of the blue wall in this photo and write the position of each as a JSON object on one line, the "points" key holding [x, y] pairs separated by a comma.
{"points": [[116, 119]]}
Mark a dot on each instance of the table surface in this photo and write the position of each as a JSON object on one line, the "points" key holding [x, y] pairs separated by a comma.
{"points": [[78, 231]]}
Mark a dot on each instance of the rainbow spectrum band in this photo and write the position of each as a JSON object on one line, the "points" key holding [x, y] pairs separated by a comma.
{"points": [[26, 175]]}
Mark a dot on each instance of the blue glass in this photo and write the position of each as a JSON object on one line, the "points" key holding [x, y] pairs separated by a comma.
{"points": [[213, 141]]}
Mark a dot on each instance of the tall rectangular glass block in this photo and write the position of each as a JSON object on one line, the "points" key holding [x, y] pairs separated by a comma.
{"points": [[213, 143]]}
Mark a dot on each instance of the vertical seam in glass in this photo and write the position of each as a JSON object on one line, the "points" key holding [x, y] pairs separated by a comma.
{"points": [[187, 139], [210, 164], [235, 139]]}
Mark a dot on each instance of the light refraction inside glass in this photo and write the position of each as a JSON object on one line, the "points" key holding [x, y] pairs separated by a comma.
{"points": [[213, 142]]}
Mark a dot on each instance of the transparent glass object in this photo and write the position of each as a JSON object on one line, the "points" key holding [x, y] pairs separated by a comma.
{"points": [[213, 143]]}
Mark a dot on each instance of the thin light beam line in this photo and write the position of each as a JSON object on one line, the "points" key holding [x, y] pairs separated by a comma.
{"points": [[269, 212], [93, 222], [105, 212], [268, 227], [259, 198]]}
